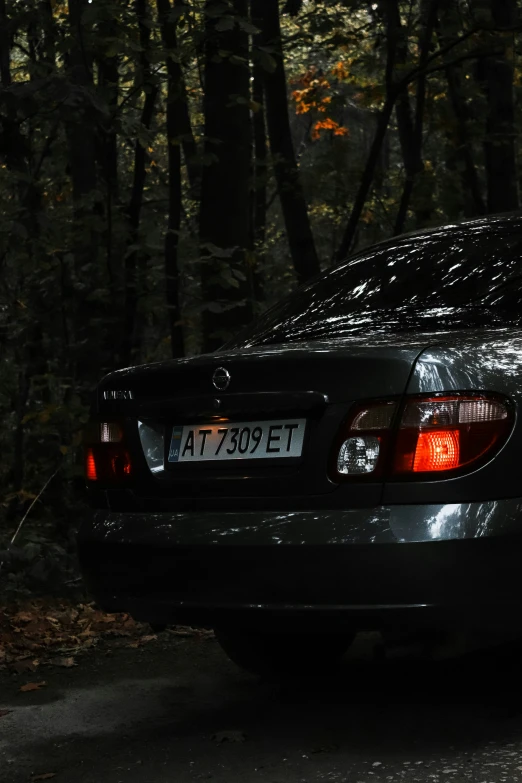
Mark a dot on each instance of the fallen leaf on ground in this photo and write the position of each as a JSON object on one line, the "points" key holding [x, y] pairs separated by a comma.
{"points": [[67, 616], [65, 663], [88, 643], [45, 776], [229, 736], [23, 617], [87, 634], [4, 712], [108, 618], [32, 686], [25, 665], [150, 638]]}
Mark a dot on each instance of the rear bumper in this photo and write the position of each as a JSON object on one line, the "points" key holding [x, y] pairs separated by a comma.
{"points": [[367, 568]]}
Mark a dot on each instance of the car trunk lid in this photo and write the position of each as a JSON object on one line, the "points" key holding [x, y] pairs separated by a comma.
{"points": [[315, 383]]}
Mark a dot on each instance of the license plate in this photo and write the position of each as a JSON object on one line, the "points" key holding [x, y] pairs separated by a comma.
{"points": [[237, 440]]}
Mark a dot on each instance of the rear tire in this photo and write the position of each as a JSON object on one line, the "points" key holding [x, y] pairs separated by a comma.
{"points": [[276, 652]]}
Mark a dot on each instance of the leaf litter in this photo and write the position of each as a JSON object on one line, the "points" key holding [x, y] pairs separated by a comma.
{"points": [[55, 633]]}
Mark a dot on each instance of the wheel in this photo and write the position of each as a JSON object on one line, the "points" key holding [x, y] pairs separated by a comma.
{"points": [[276, 652]]}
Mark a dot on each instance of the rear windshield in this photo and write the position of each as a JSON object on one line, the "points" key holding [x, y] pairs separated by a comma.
{"points": [[442, 280]]}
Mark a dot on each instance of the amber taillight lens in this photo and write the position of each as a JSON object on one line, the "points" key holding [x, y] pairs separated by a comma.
{"points": [[107, 459], [433, 436]]}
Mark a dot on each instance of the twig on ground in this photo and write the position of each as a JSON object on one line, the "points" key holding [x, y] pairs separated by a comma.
{"points": [[17, 531]]}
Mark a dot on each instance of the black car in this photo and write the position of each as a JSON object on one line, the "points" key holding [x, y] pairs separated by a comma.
{"points": [[351, 461]]}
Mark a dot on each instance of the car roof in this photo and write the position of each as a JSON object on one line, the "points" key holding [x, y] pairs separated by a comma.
{"points": [[494, 223]]}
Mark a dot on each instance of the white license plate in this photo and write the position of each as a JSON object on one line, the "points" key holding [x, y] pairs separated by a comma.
{"points": [[237, 440]]}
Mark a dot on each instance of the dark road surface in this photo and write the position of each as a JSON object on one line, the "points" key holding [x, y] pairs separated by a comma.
{"points": [[152, 715]]}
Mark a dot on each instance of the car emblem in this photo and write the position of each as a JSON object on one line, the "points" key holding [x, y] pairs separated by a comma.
{"points": [[221, 378]]}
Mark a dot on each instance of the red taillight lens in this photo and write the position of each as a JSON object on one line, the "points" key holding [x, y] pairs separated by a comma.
{"points": [[90, 465], [107, 464], [107, 460], [437, 450], [121, 464], [445, 433]]}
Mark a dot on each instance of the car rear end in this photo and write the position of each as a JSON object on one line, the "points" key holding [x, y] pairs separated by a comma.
{"points": [[366, 484]]}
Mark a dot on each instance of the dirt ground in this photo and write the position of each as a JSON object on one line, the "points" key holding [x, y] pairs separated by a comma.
{"points": [[177, 710]]}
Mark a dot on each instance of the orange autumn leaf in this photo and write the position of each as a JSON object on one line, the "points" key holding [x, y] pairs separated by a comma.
{"points": [[313, 95], [32, 686], [328, 124], [340, 71]]}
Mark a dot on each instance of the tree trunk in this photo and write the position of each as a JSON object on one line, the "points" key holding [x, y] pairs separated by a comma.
{"points": [[497, 75], [185, 135], [260, 172], [291, 195], [81, 128], [225, 202], [176, 127], [48, 55], [19, 406], [5, 46], [13, 147], [260, 161], [107, 139], [82, 147], [392, 95], [473, 199], [397, 38], [150, 89], [413, 160], [410, 125], [366, 179], [108, 83], [462, 149]]}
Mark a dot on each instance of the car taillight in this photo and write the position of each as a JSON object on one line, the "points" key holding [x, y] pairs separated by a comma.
{"points": [[91, 474], [107, 459], [436, 434], [449, 432]]}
